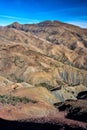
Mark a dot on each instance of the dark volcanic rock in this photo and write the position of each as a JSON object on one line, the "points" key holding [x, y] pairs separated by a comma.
{"points": [[76, 110], [76, 114], [82, 95]]}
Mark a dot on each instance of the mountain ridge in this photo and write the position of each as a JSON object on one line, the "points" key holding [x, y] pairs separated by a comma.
{"points": [[45, 63], [57, 33]]}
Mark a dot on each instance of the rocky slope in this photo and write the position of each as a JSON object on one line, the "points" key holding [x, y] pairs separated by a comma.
{"points": [[44, 63], [29, 62], [73, 38]]}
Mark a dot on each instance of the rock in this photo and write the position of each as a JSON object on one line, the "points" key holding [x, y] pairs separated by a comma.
{"points": [[75, 110], [82, 95]]}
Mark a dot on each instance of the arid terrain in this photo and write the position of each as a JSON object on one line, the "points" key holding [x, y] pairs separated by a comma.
{"points": [[43, 76]]}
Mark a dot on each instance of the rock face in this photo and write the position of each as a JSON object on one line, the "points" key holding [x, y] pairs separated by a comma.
{"points": [[45, 63], [76, 110], [82, 95]]}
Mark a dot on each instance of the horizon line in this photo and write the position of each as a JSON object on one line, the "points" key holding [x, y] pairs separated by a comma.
{"points": [[74, 23]]}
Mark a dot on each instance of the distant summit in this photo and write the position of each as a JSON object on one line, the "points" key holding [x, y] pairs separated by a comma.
{"points": [[43, 23], [49, 23], [14, 25]]}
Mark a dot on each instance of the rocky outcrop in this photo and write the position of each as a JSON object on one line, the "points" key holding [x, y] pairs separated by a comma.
{"points": [[75, 110], [69, 92], [82, 95]]}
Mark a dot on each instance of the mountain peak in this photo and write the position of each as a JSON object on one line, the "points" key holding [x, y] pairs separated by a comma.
{"points": [[15, 23]]}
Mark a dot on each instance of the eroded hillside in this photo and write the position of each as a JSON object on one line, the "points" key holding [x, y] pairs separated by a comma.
{"points": [[44, 63]]}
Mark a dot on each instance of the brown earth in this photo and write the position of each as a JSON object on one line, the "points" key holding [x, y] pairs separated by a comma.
{"points": [[46, 63], [73, 40]]}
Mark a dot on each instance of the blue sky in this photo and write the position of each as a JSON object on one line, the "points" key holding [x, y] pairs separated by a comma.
{"points": [[34, 11]]}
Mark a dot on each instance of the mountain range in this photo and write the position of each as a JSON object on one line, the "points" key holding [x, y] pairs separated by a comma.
{"points": [[42, 65]]}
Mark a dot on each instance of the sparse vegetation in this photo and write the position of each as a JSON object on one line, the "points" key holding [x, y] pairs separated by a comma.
{"points": [[18, 80], [60, 83], [13, 100], [49, 87], [18, 62]]}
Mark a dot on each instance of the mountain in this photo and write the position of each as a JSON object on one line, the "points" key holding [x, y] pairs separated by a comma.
{"points": [[72, 38], [41, 65]]}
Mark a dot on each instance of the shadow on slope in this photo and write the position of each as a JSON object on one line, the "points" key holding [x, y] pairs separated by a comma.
{"points": [[15, 125]]}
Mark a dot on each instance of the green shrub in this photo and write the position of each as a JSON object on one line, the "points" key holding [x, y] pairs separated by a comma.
{"points": [[9, 99], [19, 80], [49, 87], [60, 83]]}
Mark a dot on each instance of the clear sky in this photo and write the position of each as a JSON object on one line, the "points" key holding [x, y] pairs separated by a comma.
{"points": [[33, 11]]}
